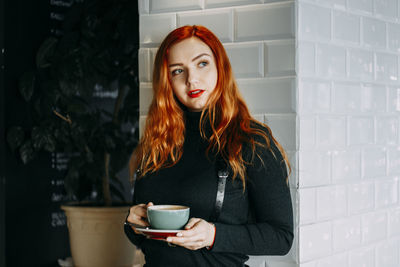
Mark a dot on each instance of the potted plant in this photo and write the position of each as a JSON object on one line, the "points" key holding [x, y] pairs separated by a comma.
{"points": [[93, 60]]}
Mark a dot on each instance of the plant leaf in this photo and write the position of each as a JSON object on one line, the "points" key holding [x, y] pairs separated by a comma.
{"points": [[26, 152], [15, 137], [45, 52], [27, 84], [43, 139]]}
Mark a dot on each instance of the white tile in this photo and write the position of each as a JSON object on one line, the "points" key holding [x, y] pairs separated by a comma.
{"points": [[142, 125], [386, 69], [268, 95], [145, 97], [386, 8], [315, 241], [361, 5], [307, 136], [394, 222], [374, 227], [386, 193], [361, 197], [346, 233], [306, 58], [277, 263], [314, 168], [334, 261], [246, 59], [363, 257], [361, 130], [394, 99], [153, 53], [308, 264], [373, 32], [331, 202], [284, 129], [346, 27], [346, 97], [307, 205], [259, 117], [158, 6], [333, 3], [154, 28], [219, 22], [346, 165], [314, 22], [279, 58], [229, 3], [143, 6], [331, 61], [266, 22], [256, 261], [387, 254], [373, 98], [394, 36], [144, 65], [331, 131], [374, 162], [387, 130], [361, 64], [394, 160], [314, 96]]}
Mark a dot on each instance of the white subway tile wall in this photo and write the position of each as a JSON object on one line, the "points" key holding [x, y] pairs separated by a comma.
{"points": [[347, 60], [259, 37], [325, 75]]}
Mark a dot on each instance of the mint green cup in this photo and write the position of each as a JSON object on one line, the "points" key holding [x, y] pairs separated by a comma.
{"points": [[168, 217]]}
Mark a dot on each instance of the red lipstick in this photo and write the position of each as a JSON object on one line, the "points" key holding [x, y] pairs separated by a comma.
{"points": [[195, 93]]}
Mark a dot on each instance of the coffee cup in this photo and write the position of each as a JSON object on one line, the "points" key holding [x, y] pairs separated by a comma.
{"points": [[168, 217]]}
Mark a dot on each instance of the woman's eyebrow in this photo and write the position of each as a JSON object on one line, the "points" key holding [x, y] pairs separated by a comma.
{"points": [[196, 57], [199, 56]]}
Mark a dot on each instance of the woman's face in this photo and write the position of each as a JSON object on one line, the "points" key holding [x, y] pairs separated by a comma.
{"points": [[192, 72]]}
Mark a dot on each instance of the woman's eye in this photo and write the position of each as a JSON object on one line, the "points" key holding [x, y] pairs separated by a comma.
{"points": [[203, 63], [177, 71]]}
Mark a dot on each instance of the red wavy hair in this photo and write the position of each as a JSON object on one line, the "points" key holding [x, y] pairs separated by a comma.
{"points": [[228, 116]]}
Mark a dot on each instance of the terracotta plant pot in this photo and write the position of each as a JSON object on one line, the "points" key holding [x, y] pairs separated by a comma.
{"points": [[97, 236]]}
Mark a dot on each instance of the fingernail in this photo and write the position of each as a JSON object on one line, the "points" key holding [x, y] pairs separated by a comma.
{"points": [[179, 234], [169, 239]]}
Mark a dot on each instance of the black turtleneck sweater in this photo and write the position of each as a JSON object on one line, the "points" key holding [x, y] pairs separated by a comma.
{"points": [[193, 182]]}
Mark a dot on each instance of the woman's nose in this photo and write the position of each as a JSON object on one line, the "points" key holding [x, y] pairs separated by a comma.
{"points": [[192, 78]]}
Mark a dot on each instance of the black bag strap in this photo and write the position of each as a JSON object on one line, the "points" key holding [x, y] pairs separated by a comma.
{"points": [[223, 174]]}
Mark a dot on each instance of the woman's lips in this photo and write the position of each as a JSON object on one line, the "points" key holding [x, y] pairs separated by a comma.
{"points": [[195, 93]]}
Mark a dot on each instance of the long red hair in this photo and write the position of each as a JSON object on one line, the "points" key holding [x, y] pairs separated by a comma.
{"points": [[228, 116]]}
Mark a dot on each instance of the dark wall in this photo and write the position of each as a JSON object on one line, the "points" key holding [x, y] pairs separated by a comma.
{"points": [[31, 239], [2, 145], [33, 229]]}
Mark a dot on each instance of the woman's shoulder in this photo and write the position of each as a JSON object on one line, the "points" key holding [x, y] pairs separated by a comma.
{"points": [[260, 132]]}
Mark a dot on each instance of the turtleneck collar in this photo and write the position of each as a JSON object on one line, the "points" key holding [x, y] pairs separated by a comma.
{"points": [[192, 120]]}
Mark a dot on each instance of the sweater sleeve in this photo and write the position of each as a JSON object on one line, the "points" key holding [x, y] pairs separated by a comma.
{"points": [[270, 201], [136, 239]]}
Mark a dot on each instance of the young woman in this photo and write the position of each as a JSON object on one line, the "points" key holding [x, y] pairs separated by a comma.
{"points": [[197, 126]]}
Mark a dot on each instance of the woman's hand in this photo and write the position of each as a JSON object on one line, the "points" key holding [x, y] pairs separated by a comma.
{"points": [[198, 234], [138, 215]]}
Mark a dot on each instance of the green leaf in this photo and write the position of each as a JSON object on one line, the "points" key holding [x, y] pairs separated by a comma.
{"points": [[43, 139], [45, 52], [15, 137], [27, 85], [26, 152]]}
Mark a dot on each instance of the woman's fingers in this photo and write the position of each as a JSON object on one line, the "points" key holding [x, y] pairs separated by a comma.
{"points": [[200, 234], [138, 214], [191, 223]]}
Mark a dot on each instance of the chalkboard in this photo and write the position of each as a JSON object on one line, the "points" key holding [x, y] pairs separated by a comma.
{"points": [[35, 228]]}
